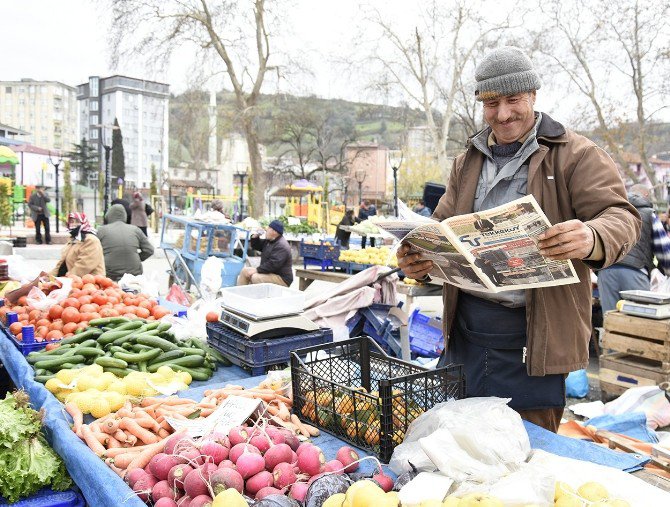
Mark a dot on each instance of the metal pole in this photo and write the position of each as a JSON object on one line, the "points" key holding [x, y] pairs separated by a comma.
{"points": [[395, 191], [56, 166], [169, 198], [360, 192], [108, 149]]}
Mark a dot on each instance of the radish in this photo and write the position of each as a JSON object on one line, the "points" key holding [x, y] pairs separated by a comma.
{"points": [[144, 485], [267, 492], [161, 464], [134, 475], [226, 463], [348, 457], [177, 474], [261, 442], [165, 502], [215, 451], [201, 501], [228, 478], [259, 481], [195, 483], [184, 501], [237, 450], [238, 435], [311, 461], [334, 466], [193, 456], [283, 474], [299, 491], [250, 464], [163, 490], [280, 453], [384, 481], [219, 438], [174, 444], [277, 437], [292, 440], [294, 458], [301, 448]]}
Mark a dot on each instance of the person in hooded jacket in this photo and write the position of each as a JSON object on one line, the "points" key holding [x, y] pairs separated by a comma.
{"points": [[83, 253], [125, 246]]}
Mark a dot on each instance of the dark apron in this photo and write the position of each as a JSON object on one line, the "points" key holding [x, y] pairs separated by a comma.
{"points": [[488, 340]]}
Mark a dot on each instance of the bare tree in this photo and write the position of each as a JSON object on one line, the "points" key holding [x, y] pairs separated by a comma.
{"points": [[233, 35], [616, 57], [191, 127], [427, 65]]}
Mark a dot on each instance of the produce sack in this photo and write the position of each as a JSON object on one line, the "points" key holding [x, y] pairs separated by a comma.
{"points": [[210, 276], [37, 299], [140, 284], [577, 384]]}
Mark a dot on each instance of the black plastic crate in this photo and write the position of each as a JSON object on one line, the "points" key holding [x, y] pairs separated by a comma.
{"points": [[258, 355], [363, 396]]}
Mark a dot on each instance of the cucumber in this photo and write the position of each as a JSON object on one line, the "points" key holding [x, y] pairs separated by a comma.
{"points": [[59, 362], [140, 357], [119, 372], [164, 326], [196, 373], [116, 348], [84, 335], [141, 348], [150, 326], [88, 343], [111, 362], [142, 366], [106, 321], [167, 356], [210, 350], [44, 378], [154, 341], [192, 351], [109, 336], [188, 361], [90, 352], [131, 324]]}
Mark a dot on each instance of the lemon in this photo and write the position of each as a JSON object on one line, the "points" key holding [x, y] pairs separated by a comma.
{"points": [[135, 385], [86, 382], [62, 396], [66, 376], [334, 501], [166, 372], [83, 402], [185, 377], [100, 407], [115, 400], [93, 369], [54, 385], [117, 386], [229, 498]]}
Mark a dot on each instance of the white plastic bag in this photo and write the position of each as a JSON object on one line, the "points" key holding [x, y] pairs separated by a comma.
{"points": [[140, 283], [648, 399], [210, 276], [40, 301]]}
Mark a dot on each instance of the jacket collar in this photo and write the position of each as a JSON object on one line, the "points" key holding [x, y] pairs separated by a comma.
{"points": [[549, 130]]}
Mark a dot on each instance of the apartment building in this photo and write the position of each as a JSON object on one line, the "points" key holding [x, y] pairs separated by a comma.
{"points": [[47, 110], [141, 108]]}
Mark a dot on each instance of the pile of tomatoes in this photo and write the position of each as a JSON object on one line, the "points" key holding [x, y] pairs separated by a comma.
{"points": [[92, 297]]}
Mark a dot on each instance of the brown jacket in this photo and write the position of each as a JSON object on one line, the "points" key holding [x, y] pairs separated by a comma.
{"points": [[82, 257], [571, 178]]}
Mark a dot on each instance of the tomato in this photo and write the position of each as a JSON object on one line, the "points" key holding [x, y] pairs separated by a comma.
{"points": [[159, 311], [55, 312], [52, 346], [42, 331], [91, 288], [94, 315], [108, 312], [85, 300], [23, 301], [88, 308], [130, 309], [88, 278], [54, 335], [19, 337], [100, 298], [56, 326], [142, 313], [212, 317], [34, 315], [71, 302], [130, 315], [70, 315], [15, 328], [82, 325], [146, 304], [69, 328], [43, 322]]}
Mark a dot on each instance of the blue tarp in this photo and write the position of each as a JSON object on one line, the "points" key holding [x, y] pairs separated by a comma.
{"points": [[633, 424]]}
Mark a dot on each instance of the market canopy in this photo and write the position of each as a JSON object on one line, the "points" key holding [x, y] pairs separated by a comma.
{"points": [[7, 156], [298, 188]]}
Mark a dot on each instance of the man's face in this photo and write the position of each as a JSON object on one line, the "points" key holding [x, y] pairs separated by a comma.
{"points": [[271, 234], [510, 117]]}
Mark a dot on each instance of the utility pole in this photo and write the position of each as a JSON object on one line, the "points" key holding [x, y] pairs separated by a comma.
{"points": [[56, 166], [241, 175]]}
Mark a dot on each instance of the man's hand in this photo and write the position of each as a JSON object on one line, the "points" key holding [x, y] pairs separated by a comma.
{"points": [[568, 240], [411, 263], [249, 271]]}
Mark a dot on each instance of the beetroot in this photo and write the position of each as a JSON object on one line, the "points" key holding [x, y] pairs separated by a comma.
{"points": [[163, 490], [283, 474], [201, 501], [195, 483], [299, 491], [134, 475], [280, 453], [237, 450], [215, 451], [250, 464], [261, 442], [334, 466], [144, 485], [311, 461], [259, 481], [348, 457], [315, 477], [165, 502], [177, 474], [224, 479], [267, 492], [384, 481], [238, 435]]}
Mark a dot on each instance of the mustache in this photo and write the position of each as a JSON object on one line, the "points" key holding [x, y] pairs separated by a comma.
{"points": [[507, 120]]}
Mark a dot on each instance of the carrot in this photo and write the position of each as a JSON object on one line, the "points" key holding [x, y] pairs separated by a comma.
{"points": [[91, 440], [120, 435], [273, 410], [148, 423], [205, 412], [116, 451], [116, 470], [77, 417], [110, 426], [164, 424], [131, 440], [130, 425], [283, 411], [144, 457], [300, 425], [124, 412], [123, 460], [314, 432], [112, 442], [163, 433]]}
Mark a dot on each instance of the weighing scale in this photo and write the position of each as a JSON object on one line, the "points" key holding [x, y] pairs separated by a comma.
{"points": [[644, 303], [269, 327]]}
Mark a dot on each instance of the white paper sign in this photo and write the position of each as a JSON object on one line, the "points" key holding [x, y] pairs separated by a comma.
{"points": [[234, 410]]}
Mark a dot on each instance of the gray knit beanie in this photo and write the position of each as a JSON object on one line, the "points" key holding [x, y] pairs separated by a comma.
{"points": [[505, 71]]}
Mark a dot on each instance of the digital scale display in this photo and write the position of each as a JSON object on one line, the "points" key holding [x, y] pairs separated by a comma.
{"points": [[639, 309], [650, 311]]}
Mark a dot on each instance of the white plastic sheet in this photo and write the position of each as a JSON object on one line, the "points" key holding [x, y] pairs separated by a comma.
{"points": [[40, 301]]}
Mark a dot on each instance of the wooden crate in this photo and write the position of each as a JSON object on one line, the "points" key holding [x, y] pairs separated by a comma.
{"points": [[636, 336], [619, 372]]}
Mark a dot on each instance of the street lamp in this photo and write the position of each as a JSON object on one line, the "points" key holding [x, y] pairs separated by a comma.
{"points": [[395, 166], [360, 178], [108, 150], [241, 175], [56, 166]]}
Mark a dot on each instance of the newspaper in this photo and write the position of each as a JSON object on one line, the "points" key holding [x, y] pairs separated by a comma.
{"points": [[491, 251]]}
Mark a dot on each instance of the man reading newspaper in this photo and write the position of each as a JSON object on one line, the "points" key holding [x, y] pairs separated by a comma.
{"points": [[521, 343]]}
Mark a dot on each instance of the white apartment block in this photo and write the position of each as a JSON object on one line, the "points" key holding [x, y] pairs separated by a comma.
{"points": [[45, 109], [141, 108]]}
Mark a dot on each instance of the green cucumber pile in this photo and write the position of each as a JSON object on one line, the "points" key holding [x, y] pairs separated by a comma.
{"points": [[121, 346]]}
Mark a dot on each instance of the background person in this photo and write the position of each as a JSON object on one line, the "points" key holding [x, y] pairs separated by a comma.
{"points": [[422, 209], [126, 206], [521, 344], [276, 260], [365, 211], [125, 247], [342, 237], [40, 213], [83, 253], [138, 213]]}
